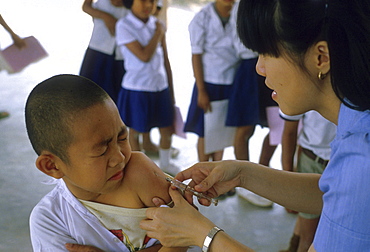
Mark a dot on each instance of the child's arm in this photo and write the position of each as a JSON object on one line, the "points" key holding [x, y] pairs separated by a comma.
{"points": [[109, 20], [86, 248], [167, 66], [145, 53], [289, 144], [203, 98], [16, 39]]}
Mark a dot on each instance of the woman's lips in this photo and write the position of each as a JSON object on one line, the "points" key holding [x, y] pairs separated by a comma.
{"points": [[274, 95]]}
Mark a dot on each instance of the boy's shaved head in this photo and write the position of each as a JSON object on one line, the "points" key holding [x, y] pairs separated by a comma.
{"points": [[52, 107]]}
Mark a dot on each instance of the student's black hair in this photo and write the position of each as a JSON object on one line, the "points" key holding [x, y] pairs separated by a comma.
{"points": [[274, 27], [51, 108], [128, 3]]}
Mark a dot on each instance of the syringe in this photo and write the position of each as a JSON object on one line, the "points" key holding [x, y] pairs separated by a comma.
{"points": [[184, 187]]}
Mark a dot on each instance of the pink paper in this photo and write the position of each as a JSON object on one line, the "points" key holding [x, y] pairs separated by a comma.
{"points": [[16, 59], [179, 124], [276, 125]]}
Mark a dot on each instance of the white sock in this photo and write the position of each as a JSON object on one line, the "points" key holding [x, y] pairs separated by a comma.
{"points": [[164, 158]]}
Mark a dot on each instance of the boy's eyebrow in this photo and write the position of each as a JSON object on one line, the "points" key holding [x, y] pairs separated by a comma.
{"points": [[105, 142]]}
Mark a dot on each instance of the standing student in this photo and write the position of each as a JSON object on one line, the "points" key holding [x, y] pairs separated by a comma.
{"points": [[103, 62], [18, 42], [146, 99], [313, 141], [315, 55], [243, 102], [214, 63]]}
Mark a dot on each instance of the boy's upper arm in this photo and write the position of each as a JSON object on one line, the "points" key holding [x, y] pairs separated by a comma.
{"points": [[150, 185]]}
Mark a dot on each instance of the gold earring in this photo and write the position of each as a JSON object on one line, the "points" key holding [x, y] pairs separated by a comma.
{"points": [[321, 76]]}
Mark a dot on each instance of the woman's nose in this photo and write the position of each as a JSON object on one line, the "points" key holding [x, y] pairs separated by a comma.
{"points": [[260, 66]]}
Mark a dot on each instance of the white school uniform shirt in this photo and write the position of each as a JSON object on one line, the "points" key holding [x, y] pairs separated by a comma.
{"points": [[241, 50], [316, 134], [101, 40], [60, 218], [215, 42], [141, 76]]}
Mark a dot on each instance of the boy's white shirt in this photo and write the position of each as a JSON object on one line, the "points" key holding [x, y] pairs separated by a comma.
{"points": [[60, 218]]}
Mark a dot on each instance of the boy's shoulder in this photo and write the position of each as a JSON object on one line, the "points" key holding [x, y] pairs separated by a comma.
{"points": [[146, 178]]}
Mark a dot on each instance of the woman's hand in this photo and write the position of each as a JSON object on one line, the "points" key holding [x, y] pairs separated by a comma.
{"points": [[180, 226], [212, 178]]}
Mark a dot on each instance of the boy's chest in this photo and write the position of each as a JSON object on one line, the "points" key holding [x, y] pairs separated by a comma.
{"points": [[122, 197]]}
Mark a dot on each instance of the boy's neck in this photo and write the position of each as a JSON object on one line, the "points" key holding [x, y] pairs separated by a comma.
{"points": [[223, 10]]}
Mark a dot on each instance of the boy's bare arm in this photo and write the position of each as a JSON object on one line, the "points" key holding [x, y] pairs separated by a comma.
{"points": [[109, 20], [147, 180], [145, 53]]}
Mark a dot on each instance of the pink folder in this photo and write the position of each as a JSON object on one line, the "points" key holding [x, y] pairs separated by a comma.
{"points": [[16, 59], [179, 124]]}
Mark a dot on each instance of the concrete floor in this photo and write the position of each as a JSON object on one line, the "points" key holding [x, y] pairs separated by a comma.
{"points": [[64, 31]]}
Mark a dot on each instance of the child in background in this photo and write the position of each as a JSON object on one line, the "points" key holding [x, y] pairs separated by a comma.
{"points": [[102, 62], [214, 62], [146, 99], [103, 188], [313, 155], [243, 103]]}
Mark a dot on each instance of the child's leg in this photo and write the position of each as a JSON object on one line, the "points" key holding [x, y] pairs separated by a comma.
{"points": [[148, 145], [134, 140], [165, 151], [307, 232], [267, 151], [217, 156], [166, 137], [202, 157], [241, 141]]}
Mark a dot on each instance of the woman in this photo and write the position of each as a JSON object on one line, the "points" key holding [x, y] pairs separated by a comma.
{"points": [[315, 55]]}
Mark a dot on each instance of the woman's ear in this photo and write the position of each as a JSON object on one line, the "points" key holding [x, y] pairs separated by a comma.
{"points": [[323, 58], [47, 163]]}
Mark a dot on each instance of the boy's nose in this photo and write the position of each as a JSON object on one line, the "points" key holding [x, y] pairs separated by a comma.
{"points": [[117, 158]]}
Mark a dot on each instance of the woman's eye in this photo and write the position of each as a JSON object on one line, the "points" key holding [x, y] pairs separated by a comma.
{"points": [[122, 139]]}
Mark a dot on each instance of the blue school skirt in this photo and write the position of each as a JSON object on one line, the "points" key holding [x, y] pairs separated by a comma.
{"points": [[195, 119], [143, 110], [243, 106], [104, 70]]}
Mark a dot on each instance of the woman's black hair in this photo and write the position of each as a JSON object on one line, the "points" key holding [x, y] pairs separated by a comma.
{"points": [[272, 27]]}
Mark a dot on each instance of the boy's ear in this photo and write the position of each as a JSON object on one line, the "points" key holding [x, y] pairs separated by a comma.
{"points": [[46, 163]]}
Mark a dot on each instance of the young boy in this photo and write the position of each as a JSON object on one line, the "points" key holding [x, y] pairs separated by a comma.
{"points": [[103, 188]]}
